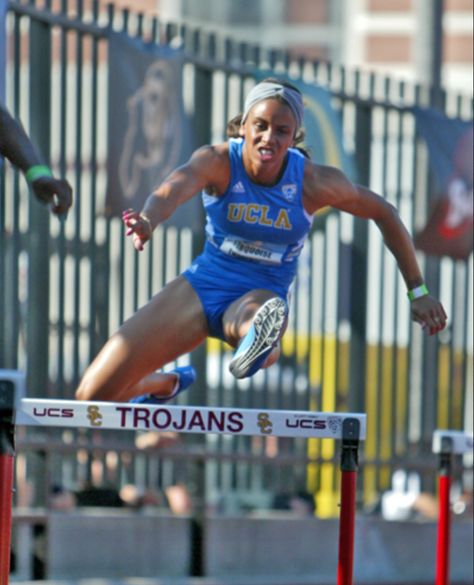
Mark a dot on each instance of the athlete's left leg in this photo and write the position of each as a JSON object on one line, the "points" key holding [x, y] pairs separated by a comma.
{"points": [[171, 324]]}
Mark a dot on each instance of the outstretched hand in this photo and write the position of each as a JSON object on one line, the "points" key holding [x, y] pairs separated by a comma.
{"points": [[54, 192], [429, 313], [138, 226]]}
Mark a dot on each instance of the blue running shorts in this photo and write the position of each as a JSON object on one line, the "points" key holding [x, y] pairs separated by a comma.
{"points": [[219, 280]]}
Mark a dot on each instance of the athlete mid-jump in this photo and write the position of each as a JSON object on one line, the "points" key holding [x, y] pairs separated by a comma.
{"points": [[260, 193]]}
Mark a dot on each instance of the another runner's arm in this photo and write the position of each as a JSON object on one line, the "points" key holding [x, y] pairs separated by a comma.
{"points": [[17, 147], [15, 144]]}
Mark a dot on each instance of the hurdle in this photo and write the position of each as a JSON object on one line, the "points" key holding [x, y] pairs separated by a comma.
{"points": [[445, 445], [348, 428]]}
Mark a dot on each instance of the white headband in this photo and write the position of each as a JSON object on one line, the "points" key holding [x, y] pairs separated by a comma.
{"points": [[267, 90]]}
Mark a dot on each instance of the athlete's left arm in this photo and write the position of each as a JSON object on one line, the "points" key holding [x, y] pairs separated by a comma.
{"points": [[327, 186]]}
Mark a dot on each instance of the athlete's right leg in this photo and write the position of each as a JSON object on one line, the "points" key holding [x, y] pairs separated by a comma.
{"points": [[255, 324], [171, 324]]}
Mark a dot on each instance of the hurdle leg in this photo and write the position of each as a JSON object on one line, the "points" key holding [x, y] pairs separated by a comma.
{"points": [[349, 465], [444, 517], [7, 452]]}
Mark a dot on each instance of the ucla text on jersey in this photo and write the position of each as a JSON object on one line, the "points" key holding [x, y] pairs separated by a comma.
{"points": [[259, 223]]}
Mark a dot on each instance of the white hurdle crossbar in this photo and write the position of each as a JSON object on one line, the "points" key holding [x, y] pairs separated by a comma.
{"points": [[453, 442], [349, 428], [185, 419]]}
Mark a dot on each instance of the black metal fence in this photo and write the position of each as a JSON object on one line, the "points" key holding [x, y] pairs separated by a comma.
{"points": [[350, 345]]}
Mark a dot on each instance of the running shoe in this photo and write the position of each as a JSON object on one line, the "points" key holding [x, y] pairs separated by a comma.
{"points": [[186, 376], [264, 333]]}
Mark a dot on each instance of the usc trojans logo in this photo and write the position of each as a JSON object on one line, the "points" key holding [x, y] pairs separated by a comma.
{"points": [[94, 415], [264, 423]]}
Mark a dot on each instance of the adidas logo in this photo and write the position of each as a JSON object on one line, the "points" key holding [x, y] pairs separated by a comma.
{"points": [[238, 188]]}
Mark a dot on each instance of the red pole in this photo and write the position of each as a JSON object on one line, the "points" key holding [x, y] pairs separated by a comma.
{"points": [[349, 466], [7, 453], [347, 528], [6, 490], [444, 528]]}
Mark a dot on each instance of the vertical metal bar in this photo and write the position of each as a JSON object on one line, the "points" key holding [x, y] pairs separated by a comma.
{"points": [[399, 404], [140, 29], [432, 267], [431, 344], [61, 240], [385, 388], [227, 59], [409, 430], [202, 130], [358, 283], [287, 61], [220, 443], [98, 270], [126, 20], [358, 314], [155, 28], [170, 31], [459, 359], [437, 8], [78, 199], [107, 243], [241, 52], [38, 252], [466, 300], [393, 349], [121, 273], [447, 398], [13, 243]]}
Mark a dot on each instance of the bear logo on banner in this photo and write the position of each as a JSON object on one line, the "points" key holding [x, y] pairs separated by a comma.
{"points": [[151, 147], [149, 131]]}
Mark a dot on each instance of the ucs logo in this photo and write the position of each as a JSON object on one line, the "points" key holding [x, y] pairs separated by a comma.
{"points": [[306, 423], [53, 412]]}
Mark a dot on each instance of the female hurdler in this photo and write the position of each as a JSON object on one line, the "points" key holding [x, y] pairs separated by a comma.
{"points": [[259, 193]]}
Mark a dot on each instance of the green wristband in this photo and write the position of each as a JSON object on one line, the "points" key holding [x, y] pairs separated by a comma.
{"points": [[418, 292], [37, 172]]}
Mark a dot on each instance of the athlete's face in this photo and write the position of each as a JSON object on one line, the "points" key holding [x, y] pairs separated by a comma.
{"points": [[269, 131]]}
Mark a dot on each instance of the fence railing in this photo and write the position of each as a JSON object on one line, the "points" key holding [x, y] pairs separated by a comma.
{"points": [[350, 344]]}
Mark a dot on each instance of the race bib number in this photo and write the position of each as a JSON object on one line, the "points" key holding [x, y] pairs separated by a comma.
{"points": [[258, 251]]}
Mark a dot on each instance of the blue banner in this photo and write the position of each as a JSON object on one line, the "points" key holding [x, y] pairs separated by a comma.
{"points": [[149, 134], [324, 137], [449, 230]]}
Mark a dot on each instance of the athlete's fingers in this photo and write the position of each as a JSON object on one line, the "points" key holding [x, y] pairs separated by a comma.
{"points": [[138, 243]]}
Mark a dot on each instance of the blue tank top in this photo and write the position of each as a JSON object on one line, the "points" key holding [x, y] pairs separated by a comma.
{"points": [[259, 224]]}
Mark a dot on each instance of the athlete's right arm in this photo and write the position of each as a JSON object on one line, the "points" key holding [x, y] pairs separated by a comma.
{"points": [[208, 168]]}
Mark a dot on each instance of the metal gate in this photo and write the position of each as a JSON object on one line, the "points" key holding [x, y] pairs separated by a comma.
{"points": [[350, 344]]}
